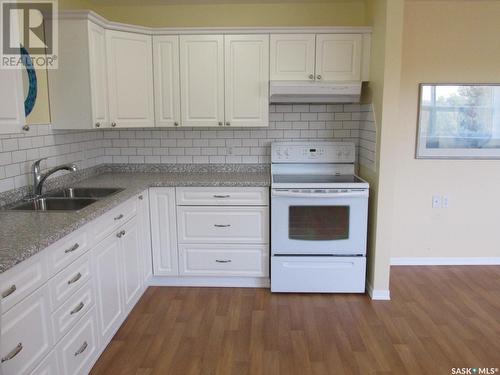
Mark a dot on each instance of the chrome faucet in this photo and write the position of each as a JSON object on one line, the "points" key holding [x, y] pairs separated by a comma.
{"points": [[39, 177]]}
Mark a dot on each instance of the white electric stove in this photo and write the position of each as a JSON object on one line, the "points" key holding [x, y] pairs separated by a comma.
{"points": [[319, 211]]}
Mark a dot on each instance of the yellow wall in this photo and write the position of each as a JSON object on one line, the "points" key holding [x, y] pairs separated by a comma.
{"points": [[305, 13], [386, 17], [445, 41]]}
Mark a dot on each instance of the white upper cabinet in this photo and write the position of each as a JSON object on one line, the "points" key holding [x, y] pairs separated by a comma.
{"points": [[338, 57], [321, 57], [202, 80], [292, 57], [130, 79], [78, 88], [11, 101], [98, 76], [167, 82], [246, 80]]}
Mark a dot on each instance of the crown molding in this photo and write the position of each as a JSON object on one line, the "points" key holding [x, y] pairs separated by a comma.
{"points": [[100, 20]]}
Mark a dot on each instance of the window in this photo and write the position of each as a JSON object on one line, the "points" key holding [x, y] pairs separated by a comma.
{"points": [[459, 121]]}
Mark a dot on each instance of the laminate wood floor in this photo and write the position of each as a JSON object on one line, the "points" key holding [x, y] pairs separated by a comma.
{"points": [[439, 318]]}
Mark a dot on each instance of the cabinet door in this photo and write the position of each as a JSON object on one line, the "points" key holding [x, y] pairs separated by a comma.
{"points": [[145, 233], [108, 279], [167, 84], [202, 80], [26, 334], [98, 76], [292, 57], [246, 80], [338, 57], [130, 78], [130, 252], [11, 101], [163, 231]]}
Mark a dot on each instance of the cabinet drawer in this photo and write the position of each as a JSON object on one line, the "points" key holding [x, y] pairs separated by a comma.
{"points": [[221, 196], [77, 350], [223, 224], [48, 366], [26, 334], [65, 283], [224, 260], [66, 250], [19, 281], [72, 310], [113, 219]]}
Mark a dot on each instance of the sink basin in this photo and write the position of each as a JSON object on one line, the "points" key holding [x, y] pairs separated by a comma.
{"points": [[53, 204], [84, 192]]}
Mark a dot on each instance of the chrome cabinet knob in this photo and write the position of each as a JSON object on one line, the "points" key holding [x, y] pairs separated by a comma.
{"points": [[311, 76], [318, 76], [113, 124], [26, 128], [97, 124], [176, 123], [220, 123], [228, 123]]}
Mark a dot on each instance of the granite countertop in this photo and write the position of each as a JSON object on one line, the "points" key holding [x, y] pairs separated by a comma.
{"points": [[23, 234]]}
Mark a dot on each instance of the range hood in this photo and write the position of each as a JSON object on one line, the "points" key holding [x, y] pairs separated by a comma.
{"points": [[315, 92]]}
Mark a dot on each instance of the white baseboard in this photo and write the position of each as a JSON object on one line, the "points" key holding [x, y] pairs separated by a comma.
{"points": [[378, 294], [437, 261], [223, 282]]}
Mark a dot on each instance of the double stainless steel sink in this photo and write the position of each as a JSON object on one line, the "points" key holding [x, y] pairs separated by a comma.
{"points": [[69, 199]]}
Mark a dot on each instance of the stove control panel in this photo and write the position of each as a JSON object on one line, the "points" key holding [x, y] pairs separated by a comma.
{"points": [[313, 152]]}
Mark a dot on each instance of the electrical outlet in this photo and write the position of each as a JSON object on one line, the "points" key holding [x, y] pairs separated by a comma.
{"points": [[436, 201], [445, 201]]}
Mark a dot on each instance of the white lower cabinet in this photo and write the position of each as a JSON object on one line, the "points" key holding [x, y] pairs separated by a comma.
{"points": [[144, 224], [72, 310], [108, 281], [212, 224], [163, 231], [26, 334], [48, 366], [131, 258], [224, 260], [221, 233], [77, 351]]}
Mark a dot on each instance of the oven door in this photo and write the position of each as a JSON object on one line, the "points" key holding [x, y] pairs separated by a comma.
{"points": [[319, 221]]}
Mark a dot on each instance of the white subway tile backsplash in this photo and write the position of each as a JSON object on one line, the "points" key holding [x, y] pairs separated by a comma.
{"points": [[288, 122]]}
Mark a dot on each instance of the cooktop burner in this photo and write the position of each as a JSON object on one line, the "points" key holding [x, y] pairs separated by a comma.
{"points": [[314, 179]]}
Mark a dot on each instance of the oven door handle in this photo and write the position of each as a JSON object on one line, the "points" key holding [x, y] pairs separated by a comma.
{"points": [[291, 194]]}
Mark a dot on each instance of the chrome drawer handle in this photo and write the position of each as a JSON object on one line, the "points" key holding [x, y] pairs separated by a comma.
{"points": [[141, 197], [82, 349], [222, 225], [77, 308], [221, 196], [120, 234], [223, 260], [119, 217], [13, 353], [72, 248], [9, 291], [77, 277]]}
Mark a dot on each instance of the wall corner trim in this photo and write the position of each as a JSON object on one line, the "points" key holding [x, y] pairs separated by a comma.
{"points": [[448, 261], [378, 294]]}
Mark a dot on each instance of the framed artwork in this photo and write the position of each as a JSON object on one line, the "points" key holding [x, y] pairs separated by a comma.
{"points": [[458, 121]]}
